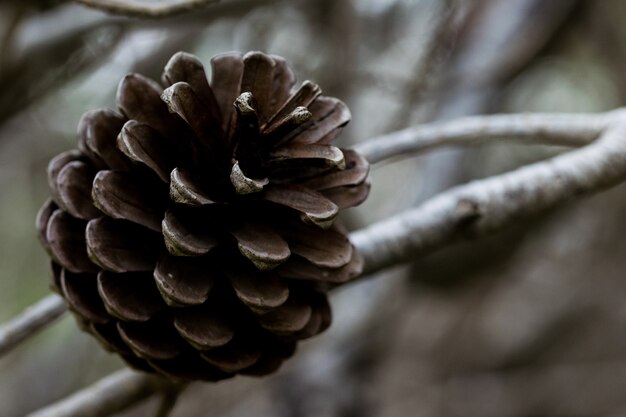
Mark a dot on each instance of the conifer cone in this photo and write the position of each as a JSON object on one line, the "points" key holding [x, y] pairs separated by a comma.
{"points": [[192, 232]]}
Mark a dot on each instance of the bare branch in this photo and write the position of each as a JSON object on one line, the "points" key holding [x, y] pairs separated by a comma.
{"points": [[114, 393], [483, 206], [470, 210], [548, 129], [30, 321], [153, 10]]}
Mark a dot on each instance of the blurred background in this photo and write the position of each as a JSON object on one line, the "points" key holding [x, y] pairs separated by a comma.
{"points": [[529, 322]]}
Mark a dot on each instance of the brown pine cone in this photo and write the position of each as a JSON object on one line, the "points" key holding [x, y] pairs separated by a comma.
{"points": [[192, 233]]}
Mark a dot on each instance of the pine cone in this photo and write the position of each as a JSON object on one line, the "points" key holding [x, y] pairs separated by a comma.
{"points": [[192, 233]]}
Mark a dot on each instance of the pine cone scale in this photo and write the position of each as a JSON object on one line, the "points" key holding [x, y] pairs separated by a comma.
{"points": [[258, 79], [183, 239], [329, 156], [184, 67], [232, 359], [66, 238], [355, 173], [203, 328], [138, 98], [303, 97], [227, 71], [348, 196], [328, 114], [283, 80], [301, 269], [183, 281], [41, 223], [190, 367], [181, 99], [74, 189], [97, 131], [81, 293], [260, 293], [54, 168], [321, 318], [109, 337], [141, 143], [288, 318], [122, 195], [130, 296], [313, 207], [184, 190], [122, 246], [265, 248], [151, 340], [327, 249]]}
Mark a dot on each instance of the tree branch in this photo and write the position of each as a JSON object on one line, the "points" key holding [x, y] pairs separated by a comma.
{"points": [[111, 394], [483, 206], [548, 129], [470, 210], [153, 10], [30, 321]]}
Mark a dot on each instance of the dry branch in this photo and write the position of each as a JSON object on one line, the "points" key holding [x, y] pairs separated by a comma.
{"points": [[30, 321], [481, 207], [138, 8], [548, 129], [111, 394], [472, 210]]}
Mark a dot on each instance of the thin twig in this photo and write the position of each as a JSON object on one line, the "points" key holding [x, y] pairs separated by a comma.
{"points": [[153, 10], [30, 321], [549, 129], [481, 207], [111, 394]]}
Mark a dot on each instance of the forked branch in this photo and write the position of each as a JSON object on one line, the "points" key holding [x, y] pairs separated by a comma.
{"points": [[480, 207]]}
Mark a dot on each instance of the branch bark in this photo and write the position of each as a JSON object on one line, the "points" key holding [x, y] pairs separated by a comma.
{"points": [[548, 129], [470, 210], [484, 206], [113, 393], [30, 321], [555, 129], [153, 10]]}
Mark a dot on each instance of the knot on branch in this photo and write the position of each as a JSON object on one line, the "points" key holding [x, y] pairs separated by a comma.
{"points": [[467, 212]]}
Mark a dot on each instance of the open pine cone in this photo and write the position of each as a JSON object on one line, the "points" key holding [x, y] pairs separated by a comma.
{"points": [[192, 233]]}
